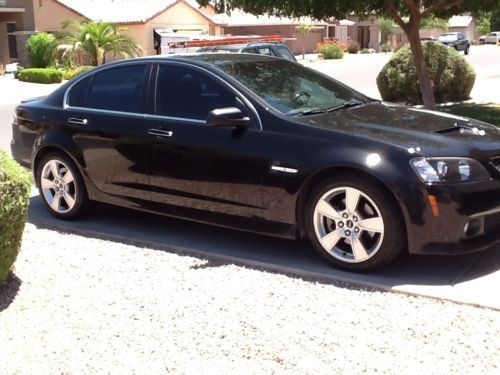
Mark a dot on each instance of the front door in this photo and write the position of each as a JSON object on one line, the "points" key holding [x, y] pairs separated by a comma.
{"points": [[199, 167]]}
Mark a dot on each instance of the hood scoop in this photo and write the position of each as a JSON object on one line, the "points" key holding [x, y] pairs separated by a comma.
{"points": [[461, 129]]}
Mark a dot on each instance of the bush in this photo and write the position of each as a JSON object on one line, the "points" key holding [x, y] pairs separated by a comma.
{"points": [[353, 47], [365, 51], [453, 78], [16, 73], [15, 187], [72, 73], [36, 75], [41, 49], [330, 51], [386, 47]]}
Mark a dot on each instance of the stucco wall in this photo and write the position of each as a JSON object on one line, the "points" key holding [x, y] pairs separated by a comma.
{"points": [[50, 14], [178, 17], [4, 49], [287, 31], [25, 20]]}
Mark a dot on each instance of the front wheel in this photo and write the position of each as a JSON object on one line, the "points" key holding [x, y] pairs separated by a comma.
{"points": [[354, 224], [61, 186], [467, 50]]}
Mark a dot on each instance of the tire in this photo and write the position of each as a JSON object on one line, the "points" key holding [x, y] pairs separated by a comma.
{"points": [[61, 186], [466, 52], [367, 235]]}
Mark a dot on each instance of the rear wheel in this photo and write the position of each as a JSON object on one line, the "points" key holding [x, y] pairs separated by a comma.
{"points": [[61, 186], [354, 224]]}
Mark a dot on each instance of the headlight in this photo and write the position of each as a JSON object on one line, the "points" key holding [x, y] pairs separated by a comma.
{"points": [[15, 119], [449, 170]]}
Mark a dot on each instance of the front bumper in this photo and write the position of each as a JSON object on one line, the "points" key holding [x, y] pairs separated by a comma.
{"points": [[468, 219]]}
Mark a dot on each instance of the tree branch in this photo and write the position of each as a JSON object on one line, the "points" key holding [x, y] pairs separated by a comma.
{"points": [[412, 7], [441, 5], [391, 9]]}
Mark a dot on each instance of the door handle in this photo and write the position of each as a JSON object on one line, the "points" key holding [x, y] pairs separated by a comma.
{"points": [[77, 121], [161, 133]]}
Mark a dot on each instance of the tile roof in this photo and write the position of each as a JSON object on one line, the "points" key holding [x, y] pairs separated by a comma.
{"points": [[125, 11], [240, 18]]}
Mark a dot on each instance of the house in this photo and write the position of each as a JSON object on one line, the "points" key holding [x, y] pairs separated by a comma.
{"points": [[21, 18], [241, 23], [465, 24], [367, 32]]}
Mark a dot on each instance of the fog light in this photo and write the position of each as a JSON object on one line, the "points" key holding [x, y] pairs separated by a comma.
{"points": [[472, 227]]}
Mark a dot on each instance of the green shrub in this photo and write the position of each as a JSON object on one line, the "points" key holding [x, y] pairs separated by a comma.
{"points": [[452, 77], [15, 187], [353, 47], [386, 47], [71, 73], [16, 73], [41, 49], [330, 51], [365, 51], [36, 75]]}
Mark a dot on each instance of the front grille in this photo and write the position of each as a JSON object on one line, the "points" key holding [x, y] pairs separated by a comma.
{"points": [[495, 163], [492, 223]]}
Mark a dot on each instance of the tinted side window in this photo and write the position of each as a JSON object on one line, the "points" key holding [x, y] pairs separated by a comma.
{"points": [[265, 51], [118, 89], [284, 52], [78, 94], [188, 93]]}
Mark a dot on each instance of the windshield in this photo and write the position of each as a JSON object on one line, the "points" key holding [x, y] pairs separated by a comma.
{"points": [[448, 37], [289, 87]]}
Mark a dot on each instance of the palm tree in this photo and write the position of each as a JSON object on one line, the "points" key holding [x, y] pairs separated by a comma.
{"points": [[96, 39], [304, 30]]}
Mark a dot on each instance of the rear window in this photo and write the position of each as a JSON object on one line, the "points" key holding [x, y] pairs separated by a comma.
{"points": [[118, 89], [78, 94]]}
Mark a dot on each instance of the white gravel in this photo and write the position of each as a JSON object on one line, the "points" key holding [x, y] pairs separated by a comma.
{"points": [[87, 306]]}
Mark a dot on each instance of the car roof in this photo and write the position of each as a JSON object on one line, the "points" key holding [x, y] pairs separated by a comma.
{"points": [[208, 60], [199, 58]]}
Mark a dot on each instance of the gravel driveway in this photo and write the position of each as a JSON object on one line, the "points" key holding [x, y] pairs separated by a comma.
{"points": [[88, 306]]}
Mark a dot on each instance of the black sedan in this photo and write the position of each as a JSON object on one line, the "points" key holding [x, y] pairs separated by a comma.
{"points": [[263, 144]]}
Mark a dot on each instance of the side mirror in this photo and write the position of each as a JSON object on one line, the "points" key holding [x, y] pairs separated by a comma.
{"points": [[230, 117]]}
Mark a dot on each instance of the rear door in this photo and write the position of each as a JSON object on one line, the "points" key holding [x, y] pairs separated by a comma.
{"points": [[199, 167], [107, 112]]}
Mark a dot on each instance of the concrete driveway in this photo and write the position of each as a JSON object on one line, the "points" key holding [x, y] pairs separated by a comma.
{"points": [[471, 279]]}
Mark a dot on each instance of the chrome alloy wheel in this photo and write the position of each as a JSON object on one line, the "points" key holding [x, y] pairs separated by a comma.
{"points": [[58, 186], [348, 224]]}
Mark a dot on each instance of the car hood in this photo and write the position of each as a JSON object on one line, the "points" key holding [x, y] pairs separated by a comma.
{"points": [[434, 133]]}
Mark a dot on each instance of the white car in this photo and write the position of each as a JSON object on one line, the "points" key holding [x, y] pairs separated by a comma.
{"points": [[493, 37]]}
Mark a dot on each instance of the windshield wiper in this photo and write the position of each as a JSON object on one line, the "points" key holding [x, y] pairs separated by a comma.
{"points": [[315, 111], [312, 111], [349, 104]]}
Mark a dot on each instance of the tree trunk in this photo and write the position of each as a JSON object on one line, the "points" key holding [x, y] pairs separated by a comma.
{"points": [[424, 79]]}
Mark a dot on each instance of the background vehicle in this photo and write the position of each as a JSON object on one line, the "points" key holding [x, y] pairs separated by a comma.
{"points": [[456, 40], [269, 146], [493, 37], [268, 49]]}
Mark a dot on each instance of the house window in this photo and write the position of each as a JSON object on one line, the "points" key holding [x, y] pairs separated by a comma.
{"points": [[11, 40]]}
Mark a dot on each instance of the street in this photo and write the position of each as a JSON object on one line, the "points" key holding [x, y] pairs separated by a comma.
{"points": [[360, 71]]}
